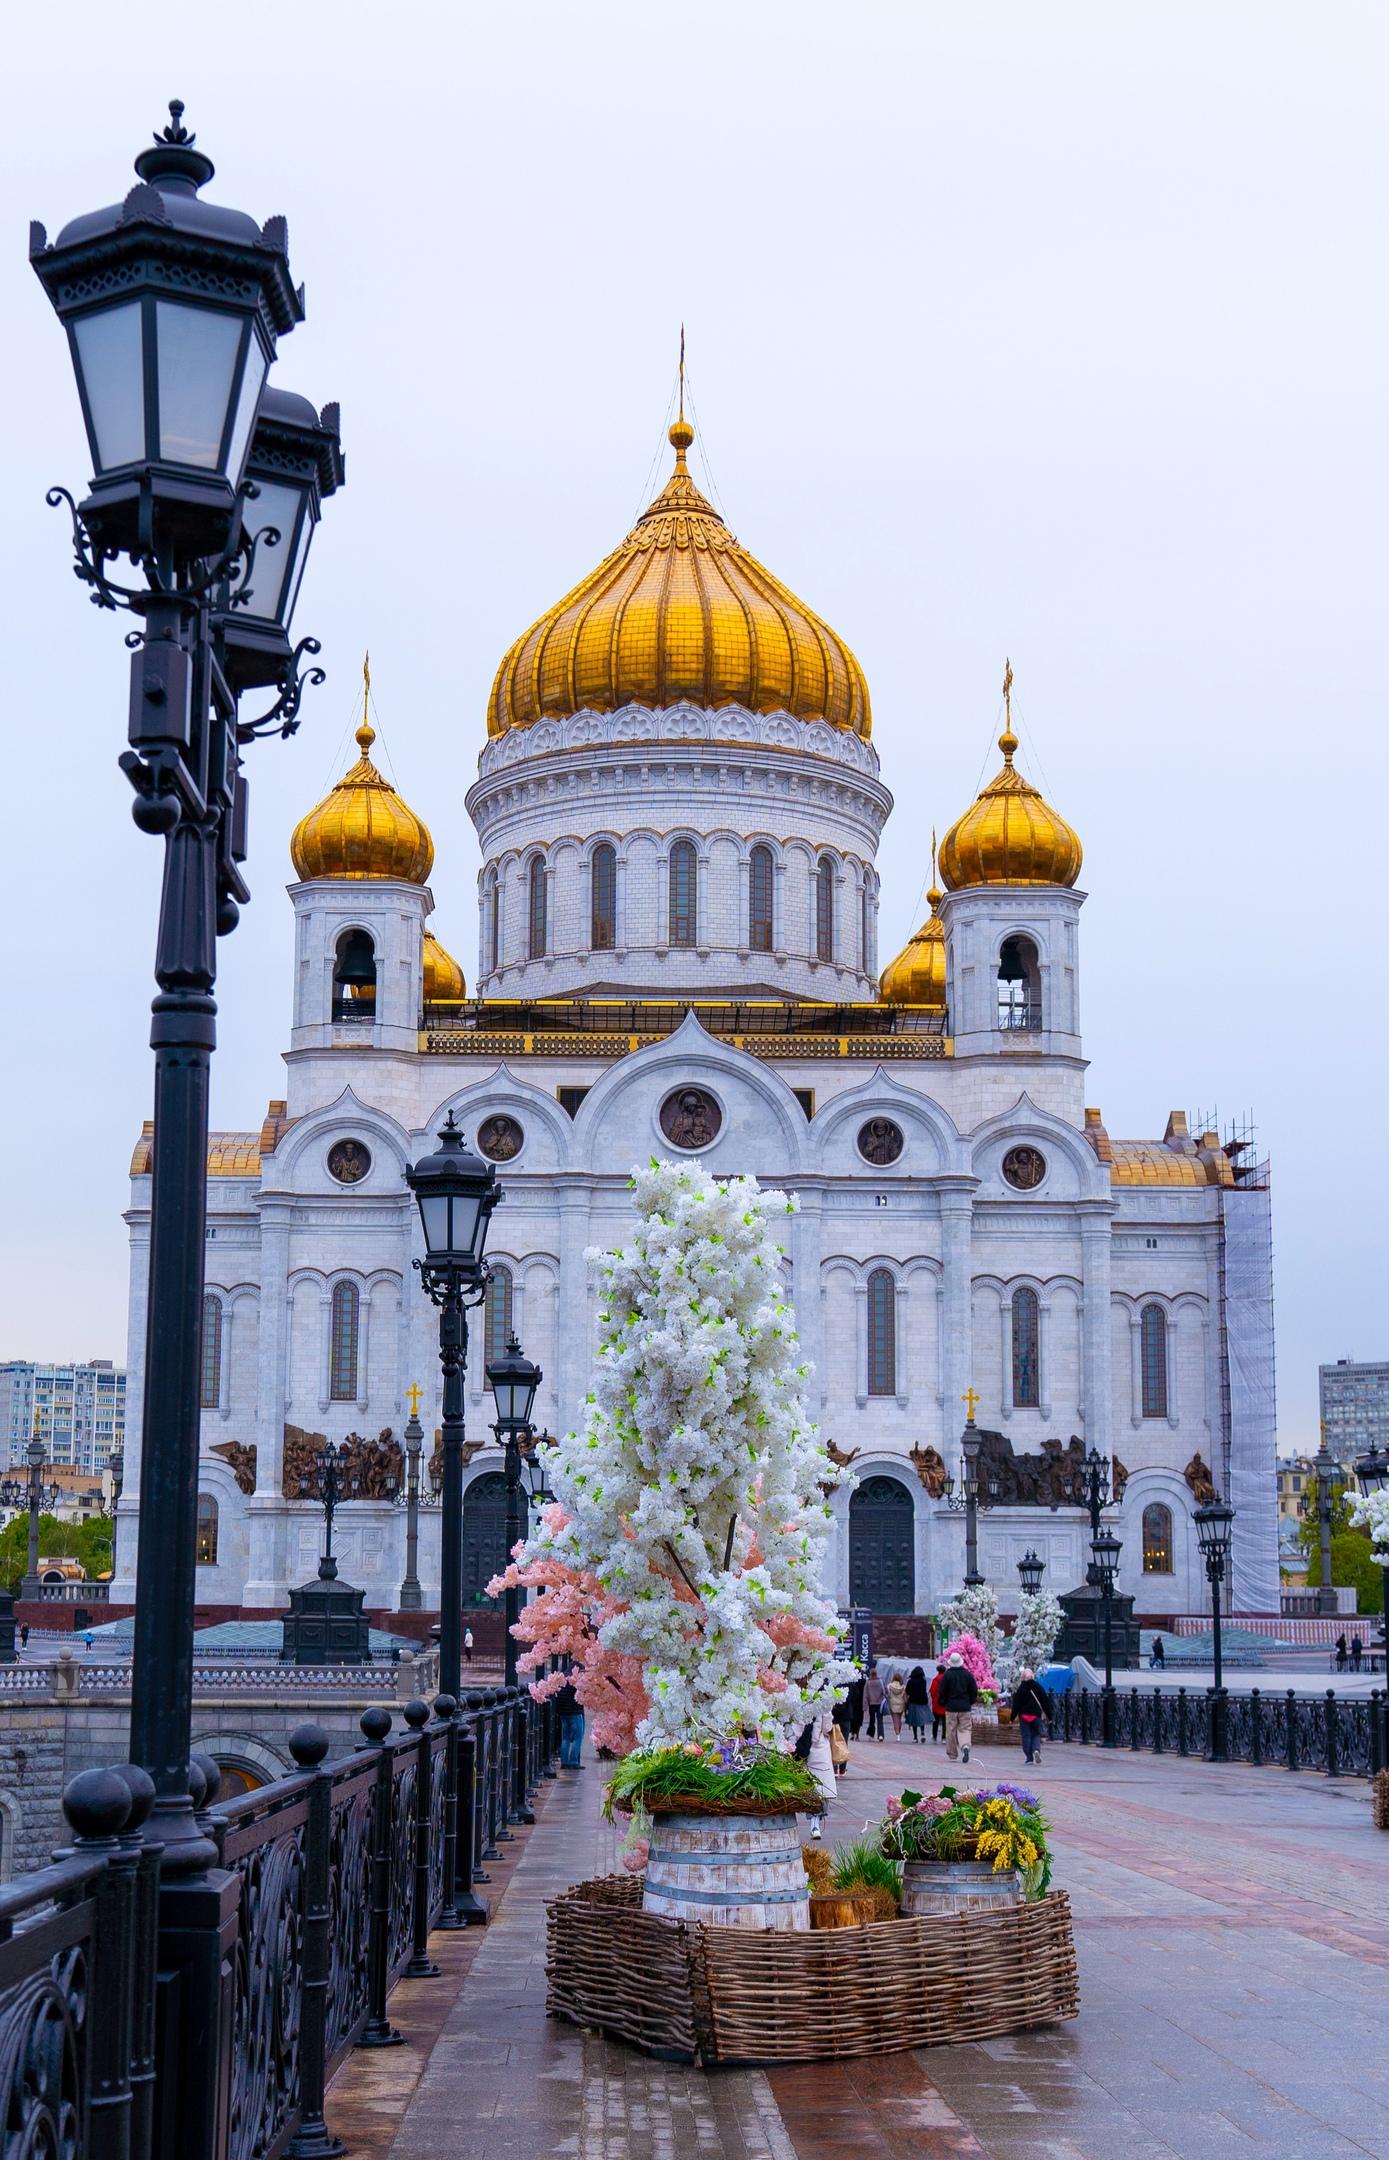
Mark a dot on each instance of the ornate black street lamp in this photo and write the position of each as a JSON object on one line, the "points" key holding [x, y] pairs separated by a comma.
{"points": [[173, 307], [513, 1380], [411, 1595], [1325, 1466], [455, 1192], [1213, 1525], [1373, 1473], [36, 1495], [1106, 1549], [1030, 1573], [978, 1491]]}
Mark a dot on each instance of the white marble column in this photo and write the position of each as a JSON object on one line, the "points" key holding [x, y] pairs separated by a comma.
{"points": [[1095, 1248], [269, 1558], [957, 1265]]}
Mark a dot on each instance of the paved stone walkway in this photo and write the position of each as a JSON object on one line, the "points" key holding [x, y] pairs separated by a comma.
{"points": [[1232, 1928]]}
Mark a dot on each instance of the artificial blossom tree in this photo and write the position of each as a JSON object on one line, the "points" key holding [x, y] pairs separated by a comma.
{"points": [[691, 1504]]}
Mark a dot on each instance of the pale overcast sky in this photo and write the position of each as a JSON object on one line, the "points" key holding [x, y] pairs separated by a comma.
{"points": [[1051, 331]]}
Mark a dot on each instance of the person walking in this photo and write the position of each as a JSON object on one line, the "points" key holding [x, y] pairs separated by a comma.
{"points": [[1357, 1651], [937, 1714], [959, 1694], [467, 1646], [918, 1703], [24, 1636], [855, 1702], [1030, 1705], [1157, 1657], [896, 1702], [1341, 1653], [875, 1695], [571, 1727]]}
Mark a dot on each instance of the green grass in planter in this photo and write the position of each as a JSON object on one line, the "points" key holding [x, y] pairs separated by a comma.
{"points": [[862, 1863], [670, 1774]]}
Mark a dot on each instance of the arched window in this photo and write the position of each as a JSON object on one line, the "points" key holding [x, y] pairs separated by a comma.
{"points": [[882, 1333], [354, 977], [497, 1314], [537, 909], [865, 927], [494, 925], [760, 875], [211, 1393], [824, 909], [603, 928], [1157, 1539], [1019, 985], [342, 1350], [684, 893], [1154, 1360], [1027, 1381], [207, 1530]]}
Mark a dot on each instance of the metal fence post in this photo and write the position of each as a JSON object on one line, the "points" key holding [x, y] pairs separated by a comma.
{"points": [[97, 1804], [1133, 1719], [313, 2140], [472, 1911], [1376, 1732], [421, 1965], [487, 1732], [1157, 1721], [144, 1956], [504, 1758], [548, 1749], [1182, 1747], [1333, 1736], [521, 1809], [1292, 1729], [478, 1730], [378, 2030], [1256, 1736]]}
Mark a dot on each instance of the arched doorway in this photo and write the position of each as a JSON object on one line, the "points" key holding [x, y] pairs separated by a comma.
{"points": [[484, 1537], [882, 1546]]}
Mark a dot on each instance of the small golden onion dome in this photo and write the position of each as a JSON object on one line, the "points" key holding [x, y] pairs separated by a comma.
{"points": [[1009, 836], [680, 612], [443, 977], [363, 829], [917, 975]]}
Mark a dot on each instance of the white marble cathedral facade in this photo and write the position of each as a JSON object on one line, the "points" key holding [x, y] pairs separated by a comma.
{"points": [[679, 805]]}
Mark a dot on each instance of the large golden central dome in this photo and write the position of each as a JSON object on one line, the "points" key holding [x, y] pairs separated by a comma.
{"points": [[679, 612]]}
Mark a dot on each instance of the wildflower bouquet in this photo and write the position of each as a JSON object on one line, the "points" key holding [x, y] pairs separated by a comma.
{"points": [[1002, 1823], [713, 1777]]}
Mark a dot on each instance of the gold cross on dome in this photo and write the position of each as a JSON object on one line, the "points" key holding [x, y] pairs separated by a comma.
{"points": [[1008, 690], [414, 1394], [971, 1402]]}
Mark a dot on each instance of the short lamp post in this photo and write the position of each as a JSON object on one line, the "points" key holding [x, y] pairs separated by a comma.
{"points": [[456, 1193], [1213, 1529], [32, 1587], [513, 1380], [1373, 1473], [330, 1484], [1106, 1549], [977, 1491], [1324, 1465], [411, 1595], [172, 308]]}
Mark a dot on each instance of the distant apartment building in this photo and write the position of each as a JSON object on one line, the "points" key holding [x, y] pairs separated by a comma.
{"points": [[77, 1411], [1354, 1407]]}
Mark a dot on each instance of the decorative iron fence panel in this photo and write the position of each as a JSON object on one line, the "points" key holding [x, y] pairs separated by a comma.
{"points": [[1341, 1737], [265, 1847], [349, 1899], [404, 1778], [438, 1767], [45, 1971]]}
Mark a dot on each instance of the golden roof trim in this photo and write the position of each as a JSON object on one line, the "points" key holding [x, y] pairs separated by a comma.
{"points": [[229, 1154]]}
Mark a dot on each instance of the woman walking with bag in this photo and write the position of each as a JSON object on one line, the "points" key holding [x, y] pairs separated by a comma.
{"points": [[896, 1702], [1030, 1706], [875, 1695], [918, 1703]]}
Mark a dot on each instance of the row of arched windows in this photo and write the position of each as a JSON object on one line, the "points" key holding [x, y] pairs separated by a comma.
{"points": [[682, 905]]}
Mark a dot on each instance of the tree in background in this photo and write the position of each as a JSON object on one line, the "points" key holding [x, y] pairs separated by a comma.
{"points": [[89, 1542], [1353, 1562]]}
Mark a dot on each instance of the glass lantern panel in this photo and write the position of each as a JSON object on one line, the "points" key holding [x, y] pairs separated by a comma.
{"points": [[111, 359], [252, 383], [276, 505], [297, 563], [198, 351], [434, 1215]]}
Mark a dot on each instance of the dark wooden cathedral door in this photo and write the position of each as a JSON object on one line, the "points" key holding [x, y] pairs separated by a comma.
{"points": [[882, 1546], [484, 1537]]}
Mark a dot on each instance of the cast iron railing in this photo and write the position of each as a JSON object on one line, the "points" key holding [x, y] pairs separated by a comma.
{"points": [[340, 1871], [1341, 1736]]}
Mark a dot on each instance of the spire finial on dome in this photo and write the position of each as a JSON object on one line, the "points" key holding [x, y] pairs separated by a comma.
{"points": [[1008, 741], [933, 897], [366, 733], [681, 434]]}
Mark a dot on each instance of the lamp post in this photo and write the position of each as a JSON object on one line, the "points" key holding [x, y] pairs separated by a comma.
{"points": [[455, 1192], [331, 1485], [1106, 1549], [1030, 1573], [1373, 1473], [172, 308], [116, 1465], [513, 1380], [1324, 1466], [977, 1492], [1213, 1523], [411, 1595], [31, 1587]]}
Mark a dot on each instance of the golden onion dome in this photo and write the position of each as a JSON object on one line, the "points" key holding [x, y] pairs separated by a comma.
{"points": [[443, 977], [680, 612], [363, 829], [917, 975], [1009, 836]]}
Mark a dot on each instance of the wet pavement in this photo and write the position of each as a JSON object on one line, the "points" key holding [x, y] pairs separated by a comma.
{"points": [[1232, 1929]]}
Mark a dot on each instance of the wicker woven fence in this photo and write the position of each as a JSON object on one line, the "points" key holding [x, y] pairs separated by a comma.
{"points": [[722, 1995]]}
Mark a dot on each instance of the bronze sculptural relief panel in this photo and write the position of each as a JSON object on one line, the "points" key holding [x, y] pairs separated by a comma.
{"points": [[501, 1138], [690, 1118], [349, 1161]]}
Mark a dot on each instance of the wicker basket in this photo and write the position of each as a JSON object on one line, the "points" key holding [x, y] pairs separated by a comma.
{"points": [[721, 1995], [1379, 1791], [841, 1908]]}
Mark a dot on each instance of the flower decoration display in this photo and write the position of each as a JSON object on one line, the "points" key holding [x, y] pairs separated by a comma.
{"points": [[1370, 1511], [1000, 1823], [683, 1558]]}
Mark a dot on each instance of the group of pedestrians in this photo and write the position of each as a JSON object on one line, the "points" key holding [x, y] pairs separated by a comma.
{"points": [[945, 1703], [1354, 1654]]}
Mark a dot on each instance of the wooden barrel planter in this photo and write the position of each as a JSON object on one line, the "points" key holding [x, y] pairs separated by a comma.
{"points": [[735, 1871], [931, 1887]]}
